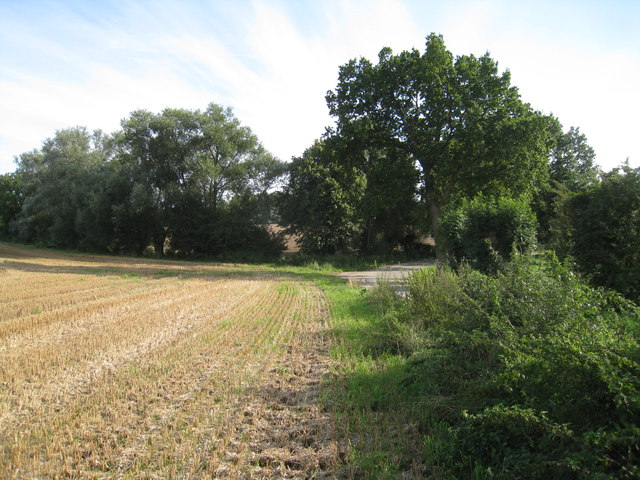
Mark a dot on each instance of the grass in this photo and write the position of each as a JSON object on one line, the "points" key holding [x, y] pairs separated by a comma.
{"points": [[374, 417]]}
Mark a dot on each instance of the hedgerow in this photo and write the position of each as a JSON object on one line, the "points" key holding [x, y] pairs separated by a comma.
{"points": [[530, 373], [485, 231]]}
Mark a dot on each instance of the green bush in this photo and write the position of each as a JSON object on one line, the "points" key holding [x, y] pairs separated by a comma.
{"points": [[605, 225], [536, 373], [485, 231], [515, 442]]}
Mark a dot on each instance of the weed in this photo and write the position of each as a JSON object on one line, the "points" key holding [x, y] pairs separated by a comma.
{"points": [[526, 374]]}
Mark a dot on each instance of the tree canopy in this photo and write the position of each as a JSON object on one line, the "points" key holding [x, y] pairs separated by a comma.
{"points": [[321, 197], [459, 118], [190, 177], [11, 199], [190, 165], [60, 184], [605, 231]]}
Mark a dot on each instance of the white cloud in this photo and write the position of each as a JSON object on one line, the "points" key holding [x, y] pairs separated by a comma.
{"points": [[289, 111], [277, 86], [592, 89], [275, 74], [34, 108]]}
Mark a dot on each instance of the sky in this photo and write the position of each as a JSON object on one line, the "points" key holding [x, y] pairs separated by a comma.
{"points": [[91, 63]]}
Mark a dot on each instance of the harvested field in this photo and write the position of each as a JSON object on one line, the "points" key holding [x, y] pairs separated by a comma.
{"points": [[127, 368]]}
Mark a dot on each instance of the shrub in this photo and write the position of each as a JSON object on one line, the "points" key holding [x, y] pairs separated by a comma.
{"points": [[537, 373], [485, 231], [605, 225], [527, 441]]}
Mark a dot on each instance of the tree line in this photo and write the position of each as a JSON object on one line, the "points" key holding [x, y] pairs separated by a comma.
{"points": [[429, 143], [419, 139], [191, 183]]}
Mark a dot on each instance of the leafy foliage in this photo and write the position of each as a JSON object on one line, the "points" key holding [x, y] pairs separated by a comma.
{"points": [[535, 373], [189, 166], [389, 209], [571, 170], [319, 199], [605, 229], [485, 231], [346, 195], [11, 199], [60, 184], [460, 119], [193, 177]]}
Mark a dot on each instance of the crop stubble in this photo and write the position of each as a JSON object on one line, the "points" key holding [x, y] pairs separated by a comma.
{"points": [[141, 369]]}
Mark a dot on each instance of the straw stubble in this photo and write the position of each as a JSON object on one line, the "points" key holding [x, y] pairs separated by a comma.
{"points": [[143, 369]]}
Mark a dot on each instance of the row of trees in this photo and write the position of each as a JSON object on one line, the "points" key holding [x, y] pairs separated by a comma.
{"points": [[417, 135], [196, 178]]}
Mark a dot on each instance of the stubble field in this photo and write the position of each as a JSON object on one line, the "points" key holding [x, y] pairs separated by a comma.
{"points": [[131, 368]]}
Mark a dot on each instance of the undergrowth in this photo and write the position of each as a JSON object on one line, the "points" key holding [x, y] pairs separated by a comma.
{"points": [[529, 373]]}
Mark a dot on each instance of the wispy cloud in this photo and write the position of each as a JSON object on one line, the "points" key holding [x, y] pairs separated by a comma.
{"points": [[66, 64], [267, 67]]}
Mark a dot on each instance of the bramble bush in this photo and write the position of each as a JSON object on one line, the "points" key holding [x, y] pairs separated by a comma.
{"points": [[535, 373]]}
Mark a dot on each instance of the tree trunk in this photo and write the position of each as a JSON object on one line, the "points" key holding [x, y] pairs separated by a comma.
{"points": [[435, 211]]}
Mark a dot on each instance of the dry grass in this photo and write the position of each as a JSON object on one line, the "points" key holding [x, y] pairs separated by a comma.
{"points": [[121, 368]]}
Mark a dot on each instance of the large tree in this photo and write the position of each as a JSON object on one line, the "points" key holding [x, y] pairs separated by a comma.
{"points": [[459, 118], [350, 193], [60, 183], [319, 202], [572, 165], [572, 170], [11, 199], [605, 236], [189, 165], [389, 207]]}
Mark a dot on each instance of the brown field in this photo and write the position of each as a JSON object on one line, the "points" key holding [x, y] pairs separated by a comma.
{"points": [[131, 368]]}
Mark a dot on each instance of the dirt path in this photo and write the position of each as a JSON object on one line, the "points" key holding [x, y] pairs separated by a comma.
{"points": [[394, 274]]}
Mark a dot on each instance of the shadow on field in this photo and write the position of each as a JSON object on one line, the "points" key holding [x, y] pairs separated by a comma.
{"points": [[138, 270], [18, 259]]}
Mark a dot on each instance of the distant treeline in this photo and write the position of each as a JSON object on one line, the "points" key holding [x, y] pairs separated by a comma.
{"points": [[187, 182], [421, 140]]}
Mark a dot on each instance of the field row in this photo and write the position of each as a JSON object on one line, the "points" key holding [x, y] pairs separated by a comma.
{"points": [[159, 370]]}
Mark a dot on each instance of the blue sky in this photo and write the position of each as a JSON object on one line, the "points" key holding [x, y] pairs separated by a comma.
{"points": [[90, 63]]}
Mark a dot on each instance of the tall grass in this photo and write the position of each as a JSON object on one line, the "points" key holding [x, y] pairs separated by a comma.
{"points": [[377, 423]]}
